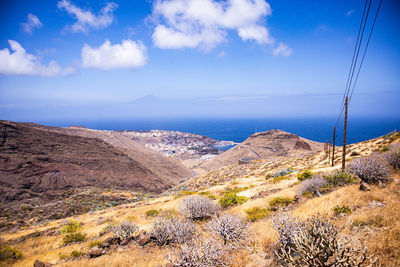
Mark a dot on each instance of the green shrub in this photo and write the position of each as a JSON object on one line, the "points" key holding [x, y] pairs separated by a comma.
{"points": [[94, 244], [342, 209], [76, 254], [305, 175], [339, 178], [8, 253], [152, 213], [256, 213], [73, 237], [279, 202], [71, 227], [279, 178], [231, 199]]}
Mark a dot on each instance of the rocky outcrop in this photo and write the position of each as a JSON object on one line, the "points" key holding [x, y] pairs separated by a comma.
{"points": [[300, 144]]}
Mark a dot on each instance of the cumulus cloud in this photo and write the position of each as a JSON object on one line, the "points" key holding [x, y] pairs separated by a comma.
{"points": [[204, 23], [18, 62], [32, 23], [282, 50], [128, 54], [86, 19]]}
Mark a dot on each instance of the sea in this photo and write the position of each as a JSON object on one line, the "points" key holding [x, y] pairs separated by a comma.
{"points": [[238, 129]]}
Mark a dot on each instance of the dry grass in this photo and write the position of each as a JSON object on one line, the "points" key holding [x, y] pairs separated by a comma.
{"points": [[382, 239]]}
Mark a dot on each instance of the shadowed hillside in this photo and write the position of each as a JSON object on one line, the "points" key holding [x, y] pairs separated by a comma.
{"points": [[41, 160]]}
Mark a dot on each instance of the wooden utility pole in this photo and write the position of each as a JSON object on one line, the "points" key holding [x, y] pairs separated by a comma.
{"points": [[329, 152], [344, 137], [333, 148]]}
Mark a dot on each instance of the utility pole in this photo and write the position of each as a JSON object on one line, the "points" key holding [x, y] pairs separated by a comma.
{"points": [[344, 137], [333, 148], [329, 152]]}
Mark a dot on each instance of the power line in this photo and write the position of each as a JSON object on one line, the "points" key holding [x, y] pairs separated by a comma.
{"points": [[352, 63], [365, 50]]}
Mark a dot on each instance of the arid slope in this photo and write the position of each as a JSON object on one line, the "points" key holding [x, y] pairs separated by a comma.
{"points": [[269, 144], [43, 160]]}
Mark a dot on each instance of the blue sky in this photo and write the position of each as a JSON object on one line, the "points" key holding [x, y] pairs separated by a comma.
{"points": [[236, 57]]}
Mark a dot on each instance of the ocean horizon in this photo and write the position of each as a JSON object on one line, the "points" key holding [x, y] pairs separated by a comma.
{"points": [[238, 129]]}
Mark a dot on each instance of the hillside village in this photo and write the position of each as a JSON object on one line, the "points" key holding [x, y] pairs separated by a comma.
{"points": [[252, 197]]}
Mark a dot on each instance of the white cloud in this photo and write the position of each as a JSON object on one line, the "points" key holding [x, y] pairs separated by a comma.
{"points": [[32, 23], [18, 62], [128, 54], [86, 19], [204, 23], [282, 50]]}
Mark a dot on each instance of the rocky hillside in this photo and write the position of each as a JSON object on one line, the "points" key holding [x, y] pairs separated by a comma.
{"points": [[45, 161], [263, 145], [256, 193]]}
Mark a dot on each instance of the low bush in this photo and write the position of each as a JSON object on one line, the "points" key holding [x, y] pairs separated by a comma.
{"points": [[372, 169], [94, 244], [339, 178], [198, 207], [341, 209], [73, 237], [124, 230], [283, 172], [71, 227], [316, 242], [279, 202], [305, 175], [231, 199], [279, 178], [311, 187], [256, 213], [229, 227], [152, 213], [199, 253], [76, 254], [393, 158], [9, 254], [166, 230]]}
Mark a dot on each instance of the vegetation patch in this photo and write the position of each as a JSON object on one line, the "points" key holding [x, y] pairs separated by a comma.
{"points": [[316, 242], [339, 178], [341, 209], [279, 178], [256, 213], [231, 199], [198, 207], [9, 254], [94, 244], [376, 221], [71, 227], [76, 254], [72, 233], [305, 175], [152, 213], [183, 193], [372, 169], [73, 237], [208, 194], [279, 202]]}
